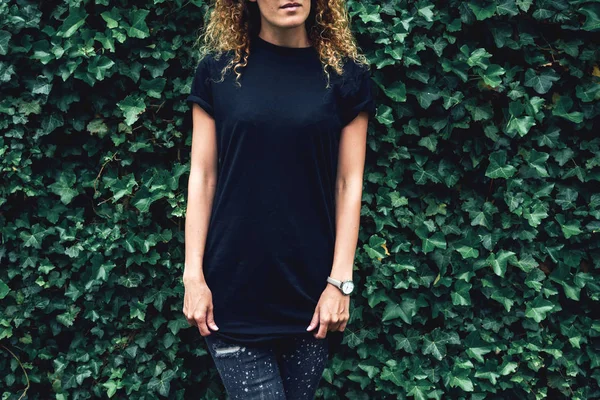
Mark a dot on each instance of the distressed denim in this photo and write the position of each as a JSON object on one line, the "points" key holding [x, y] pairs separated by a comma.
{"points": [[281, 369]]}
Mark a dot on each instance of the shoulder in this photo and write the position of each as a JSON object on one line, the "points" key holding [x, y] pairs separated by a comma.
{"points": [[204, 66], [212, 59], [354, 91], [354, 75], [354, 69], [213, 62], [205, 62]]}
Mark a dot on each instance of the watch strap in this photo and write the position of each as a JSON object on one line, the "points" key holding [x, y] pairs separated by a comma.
{"points": [[334, 281]]}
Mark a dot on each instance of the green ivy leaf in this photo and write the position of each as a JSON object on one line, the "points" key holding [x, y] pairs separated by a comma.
{"points": [[460, 296], [569, 229], [592, 16], [4, 39], [436, 342], [538, 308], [588, 92], [100, 66], [73, 22], [4, 289], [482, 12], [426, 96], [468, 252], [437, 240], [476, 348], [492, 75], [154, 87], [537, 161], [409, 342], [68, 317], [376, 247], [499, 261], [138, 28], [111, 17], [520, 125], [540, 83], [430, 142], [132, 106], [562, 107], [507, 7], [463, 382], [64, 186], [406, 310], [498, 167]]}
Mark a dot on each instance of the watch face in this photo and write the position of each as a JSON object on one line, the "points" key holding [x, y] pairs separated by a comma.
{"points": [[347, 287]]}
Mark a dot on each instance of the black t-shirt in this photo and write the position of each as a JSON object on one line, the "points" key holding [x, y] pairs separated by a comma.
{"points": [[270, 242]]}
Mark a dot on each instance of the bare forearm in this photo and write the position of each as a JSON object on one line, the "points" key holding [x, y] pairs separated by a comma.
{"points": [[201, 189], [348, 202]]}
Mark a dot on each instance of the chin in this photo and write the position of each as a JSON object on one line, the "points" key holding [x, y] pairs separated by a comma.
{"points": [[291, 25], [292, 22]]}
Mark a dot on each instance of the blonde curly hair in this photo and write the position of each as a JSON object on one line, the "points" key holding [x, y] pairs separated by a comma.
{"points": [[231, 23]]}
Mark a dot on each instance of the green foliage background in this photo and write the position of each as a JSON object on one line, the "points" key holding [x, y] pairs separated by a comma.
{"points": [[478, 257]]}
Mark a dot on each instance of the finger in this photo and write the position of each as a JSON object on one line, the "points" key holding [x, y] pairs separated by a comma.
{"points": [[191, 321], [210, 319], [188, 317], [331, 326], [202, 328], [323, 326], [314, 321], [344, 321], [334, 323], [201, 321]]}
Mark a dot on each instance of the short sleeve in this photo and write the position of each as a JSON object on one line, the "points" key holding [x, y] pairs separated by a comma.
{"points": [[201, 91], [356, 93]]}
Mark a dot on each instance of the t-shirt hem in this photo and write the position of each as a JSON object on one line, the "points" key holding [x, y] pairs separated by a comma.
{"points": [[245, 336], [334, 339], [366, 105], [264, 330], [202, 103], [258, 338]]}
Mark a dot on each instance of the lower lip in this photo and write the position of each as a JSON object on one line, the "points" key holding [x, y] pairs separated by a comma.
{"points": [[293, 8]]}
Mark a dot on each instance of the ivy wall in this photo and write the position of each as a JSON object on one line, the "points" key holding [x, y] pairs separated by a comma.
{"points": [[478, 258]]}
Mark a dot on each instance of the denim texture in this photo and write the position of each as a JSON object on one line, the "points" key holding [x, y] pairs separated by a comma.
{"points": [[287, 368]]}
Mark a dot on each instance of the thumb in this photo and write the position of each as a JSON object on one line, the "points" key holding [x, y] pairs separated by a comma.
{"points": [[210, 319], [314, 321]]}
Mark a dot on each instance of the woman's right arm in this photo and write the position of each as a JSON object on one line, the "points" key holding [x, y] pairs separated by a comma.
{"points": [[198, 307]]}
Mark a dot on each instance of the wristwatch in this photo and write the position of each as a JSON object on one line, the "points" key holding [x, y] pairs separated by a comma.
{"points": [[346, 287]]}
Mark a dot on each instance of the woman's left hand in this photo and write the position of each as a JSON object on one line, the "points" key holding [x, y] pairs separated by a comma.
{"points": [[332, 312]]}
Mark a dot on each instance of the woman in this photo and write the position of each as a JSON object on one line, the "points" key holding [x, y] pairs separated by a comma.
{"points": [[280, 106]]}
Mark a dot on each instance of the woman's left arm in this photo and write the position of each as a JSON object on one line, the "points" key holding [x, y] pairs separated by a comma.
{"points": [[333, 309]]}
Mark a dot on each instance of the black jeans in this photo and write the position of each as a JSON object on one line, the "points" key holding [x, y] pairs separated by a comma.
{"points": [[281, 369]]}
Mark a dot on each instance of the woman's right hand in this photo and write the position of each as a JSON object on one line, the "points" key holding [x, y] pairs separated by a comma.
{"points": [[198, 305]]}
